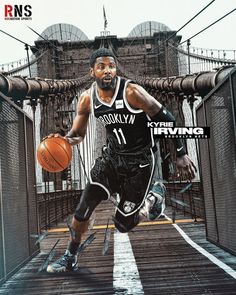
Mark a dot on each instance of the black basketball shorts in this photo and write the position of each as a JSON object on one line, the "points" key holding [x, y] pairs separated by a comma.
{"points": [[129, 177]]}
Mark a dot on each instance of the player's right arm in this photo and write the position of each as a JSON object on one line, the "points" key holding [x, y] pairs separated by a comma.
{"points": [[80, 122]]}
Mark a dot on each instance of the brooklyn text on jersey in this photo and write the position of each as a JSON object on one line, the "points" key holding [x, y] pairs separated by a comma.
{"points": [[116, 118]]}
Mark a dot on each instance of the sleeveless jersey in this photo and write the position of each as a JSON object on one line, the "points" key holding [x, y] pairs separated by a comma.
{"points": [[126, 128]]}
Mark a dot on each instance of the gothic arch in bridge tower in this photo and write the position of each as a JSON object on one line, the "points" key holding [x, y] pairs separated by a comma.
{"points": [[63, 32], [148, 28]]}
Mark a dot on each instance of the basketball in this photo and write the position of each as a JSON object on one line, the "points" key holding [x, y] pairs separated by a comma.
{"points": [[54, 154]]}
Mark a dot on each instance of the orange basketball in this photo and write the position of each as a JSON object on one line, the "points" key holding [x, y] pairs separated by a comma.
{"points": [[54, 154]]}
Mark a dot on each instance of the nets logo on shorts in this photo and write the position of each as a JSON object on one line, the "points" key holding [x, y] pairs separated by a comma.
{"points": [[17, 12], [128, 206]]}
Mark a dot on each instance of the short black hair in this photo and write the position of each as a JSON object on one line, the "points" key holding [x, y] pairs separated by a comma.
{"points": [[99, 53]]}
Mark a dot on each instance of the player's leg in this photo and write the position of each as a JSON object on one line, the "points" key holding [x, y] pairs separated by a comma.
{"points": [[140, 192], [91, 197], [152, 208], [93, 194], [154, 204], [134, 189]]}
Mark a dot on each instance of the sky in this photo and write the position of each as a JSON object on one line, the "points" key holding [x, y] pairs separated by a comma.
{"points": [[122, 17]]}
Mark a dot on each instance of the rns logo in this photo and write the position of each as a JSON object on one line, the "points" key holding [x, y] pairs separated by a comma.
{"points": [[18, 12]]}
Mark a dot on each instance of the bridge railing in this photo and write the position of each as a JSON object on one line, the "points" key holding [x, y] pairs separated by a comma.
{"points": [[18, 206], [22, 67], [218, 162], [187, 198], [192, 60], [54, 206]]}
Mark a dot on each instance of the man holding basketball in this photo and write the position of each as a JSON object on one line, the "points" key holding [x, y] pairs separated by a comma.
{"points": [[129, 158]]}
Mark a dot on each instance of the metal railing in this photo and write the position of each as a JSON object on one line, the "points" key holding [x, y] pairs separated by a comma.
{"points": [[187, 198], [18, 206], [54, 206], [218, 162]]}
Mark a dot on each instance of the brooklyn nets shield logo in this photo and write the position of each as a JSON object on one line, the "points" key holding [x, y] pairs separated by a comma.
{"points": [[128, 206]]}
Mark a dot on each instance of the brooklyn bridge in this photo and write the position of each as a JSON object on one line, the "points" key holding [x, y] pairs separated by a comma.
{"points": [[191, 249]]}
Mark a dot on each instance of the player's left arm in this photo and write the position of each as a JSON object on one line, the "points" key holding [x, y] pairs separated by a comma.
{"points": [[139, 98]]}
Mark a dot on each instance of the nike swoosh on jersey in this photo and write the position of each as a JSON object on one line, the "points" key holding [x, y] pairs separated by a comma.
{"points": [[143, 165], [97, 106], [178, 150]]}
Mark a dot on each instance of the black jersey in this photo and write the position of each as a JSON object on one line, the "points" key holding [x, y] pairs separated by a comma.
{"points": [[127, 130]]}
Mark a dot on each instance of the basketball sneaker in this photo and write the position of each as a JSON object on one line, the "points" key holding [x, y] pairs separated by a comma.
{"points": [[154, 205], [66, 262]]}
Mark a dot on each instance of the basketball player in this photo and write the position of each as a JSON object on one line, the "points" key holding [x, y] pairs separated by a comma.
{"points": [[128, 160]]}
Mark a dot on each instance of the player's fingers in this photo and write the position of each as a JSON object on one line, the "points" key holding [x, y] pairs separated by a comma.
{"points": [[179, 172], [187, 172], [50, 135], [195, 168], [191, 173], [184, 173], [66, 138], [55, 135]]}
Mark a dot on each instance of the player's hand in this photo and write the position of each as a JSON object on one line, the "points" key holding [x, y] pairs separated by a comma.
{"points": [[55, 135], [186, 167]]}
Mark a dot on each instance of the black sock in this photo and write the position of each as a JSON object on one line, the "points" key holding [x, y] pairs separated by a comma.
{"points": [[73, 247]]}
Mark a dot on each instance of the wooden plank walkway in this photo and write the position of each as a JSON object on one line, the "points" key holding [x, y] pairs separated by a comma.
{"points": [[159, 261]]}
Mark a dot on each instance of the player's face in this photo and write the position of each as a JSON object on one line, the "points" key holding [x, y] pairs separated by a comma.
{"points": [[104, 72]]}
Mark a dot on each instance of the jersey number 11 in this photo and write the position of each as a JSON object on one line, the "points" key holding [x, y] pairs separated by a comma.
{"points": [[120, 136]]}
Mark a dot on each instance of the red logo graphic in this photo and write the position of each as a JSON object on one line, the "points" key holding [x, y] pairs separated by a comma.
{"points": [[17, 12]]}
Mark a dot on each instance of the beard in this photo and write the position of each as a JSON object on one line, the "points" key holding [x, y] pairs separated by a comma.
{"points": [[105, 85]]}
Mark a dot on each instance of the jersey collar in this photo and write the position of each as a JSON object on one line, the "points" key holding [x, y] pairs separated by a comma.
{"points": [[113, 97]]}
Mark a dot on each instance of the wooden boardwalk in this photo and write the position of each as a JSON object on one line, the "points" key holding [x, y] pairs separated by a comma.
{"points": [[152, 259]]}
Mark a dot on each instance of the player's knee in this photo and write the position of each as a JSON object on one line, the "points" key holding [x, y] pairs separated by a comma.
{"points": [[80, 216], [79, 226], [92, 195]]}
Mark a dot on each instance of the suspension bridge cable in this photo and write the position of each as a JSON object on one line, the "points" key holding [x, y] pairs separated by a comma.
{"points": [[17, 39], [203, 57], [25, 43], [209, 26], [166, 40], [163, 51], [27, 46], [189, 21], [43, 37]]}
